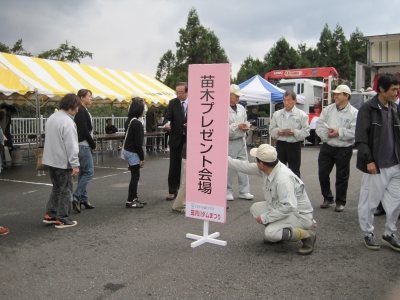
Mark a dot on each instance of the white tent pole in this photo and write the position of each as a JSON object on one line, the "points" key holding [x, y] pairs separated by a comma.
{"points": [[37, 114]]}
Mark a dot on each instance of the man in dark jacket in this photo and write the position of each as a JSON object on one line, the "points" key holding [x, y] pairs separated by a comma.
{"points": [[6, 112], [378, 142], [110, 128], [253, 119], [175, 120], [84, 127]]}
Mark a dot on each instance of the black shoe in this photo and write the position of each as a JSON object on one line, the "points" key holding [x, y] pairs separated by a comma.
{"points": [[379, 211], [370, 242], [133, 204], [391, 241], [141, 202], [87, 205], [76, 206]]}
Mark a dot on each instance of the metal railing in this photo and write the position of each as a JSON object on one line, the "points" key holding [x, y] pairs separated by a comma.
{"points": [[262, 121], [22, 127]]}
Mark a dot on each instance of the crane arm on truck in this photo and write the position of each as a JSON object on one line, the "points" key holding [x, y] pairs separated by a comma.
{"points": [[302, 73]]}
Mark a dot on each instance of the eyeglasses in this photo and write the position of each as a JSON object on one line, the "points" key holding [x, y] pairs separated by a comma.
{"points": [[180, 93]]}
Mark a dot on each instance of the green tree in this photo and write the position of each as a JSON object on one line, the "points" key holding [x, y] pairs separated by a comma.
{"points": [[65, 52], [4, 48], [281, 56], [358, 52], [249, 68], [16, 49], [339, 55], [197, 45], [165, 67], [323, 46], [308, 57], [218, 54]]}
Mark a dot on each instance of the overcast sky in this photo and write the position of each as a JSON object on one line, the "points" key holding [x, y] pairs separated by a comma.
{"points": [[132, 35]]}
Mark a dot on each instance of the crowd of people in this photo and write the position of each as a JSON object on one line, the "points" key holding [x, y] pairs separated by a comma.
{"points": [[286, 212]]}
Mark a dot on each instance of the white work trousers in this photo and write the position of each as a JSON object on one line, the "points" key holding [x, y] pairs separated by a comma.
{"points": [[383, 187], [273, 232], [237, 150]]}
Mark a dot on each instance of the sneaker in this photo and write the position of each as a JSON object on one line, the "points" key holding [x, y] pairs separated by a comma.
{"points": [[49, 220], [4, 231], [391, 241], [229, 197], [134, 204], [246, 196], [141, 202], [65, 223], [370, 242]]}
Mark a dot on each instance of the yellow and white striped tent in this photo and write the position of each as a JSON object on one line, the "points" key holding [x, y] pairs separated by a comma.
{"points": [[20, 76]]}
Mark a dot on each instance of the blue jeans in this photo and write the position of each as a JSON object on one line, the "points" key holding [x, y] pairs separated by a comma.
{"points": [[86, 172], [131, 157]]}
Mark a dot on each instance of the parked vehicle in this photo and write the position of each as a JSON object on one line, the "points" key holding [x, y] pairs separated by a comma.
{"points": [[357, 99], [317, 94]]}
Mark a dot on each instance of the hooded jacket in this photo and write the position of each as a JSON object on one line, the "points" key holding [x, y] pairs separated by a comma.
{"points": [[368, 132]]}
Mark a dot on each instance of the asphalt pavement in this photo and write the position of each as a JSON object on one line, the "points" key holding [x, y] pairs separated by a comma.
{"points": [[119, 253]]}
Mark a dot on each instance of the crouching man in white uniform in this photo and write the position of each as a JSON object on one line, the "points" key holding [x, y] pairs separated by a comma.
{"points": [[286, 213]]}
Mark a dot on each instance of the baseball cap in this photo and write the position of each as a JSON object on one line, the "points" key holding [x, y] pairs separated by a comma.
{"points": [[265, 153], [135, 95], [236, 90], [342, 89]]}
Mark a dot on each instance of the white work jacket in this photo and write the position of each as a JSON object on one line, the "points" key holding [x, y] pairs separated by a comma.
{"points": [[283, 190], [344, 120], [297, 120], [235, 118]]}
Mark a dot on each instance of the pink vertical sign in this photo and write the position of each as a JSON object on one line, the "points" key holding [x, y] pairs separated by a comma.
{"points": [[207, 142]]}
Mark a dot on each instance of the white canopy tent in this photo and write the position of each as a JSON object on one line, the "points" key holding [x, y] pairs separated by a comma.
{"points": [[258, 91]]}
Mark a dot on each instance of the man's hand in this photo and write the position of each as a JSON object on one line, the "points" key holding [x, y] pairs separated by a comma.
{"points": [[167, 127], [290, 132], [5, 139], [243, 126], [259, 221], [142, 163], [75, 172], [280, 132], [333, 132], [371, 167]]}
